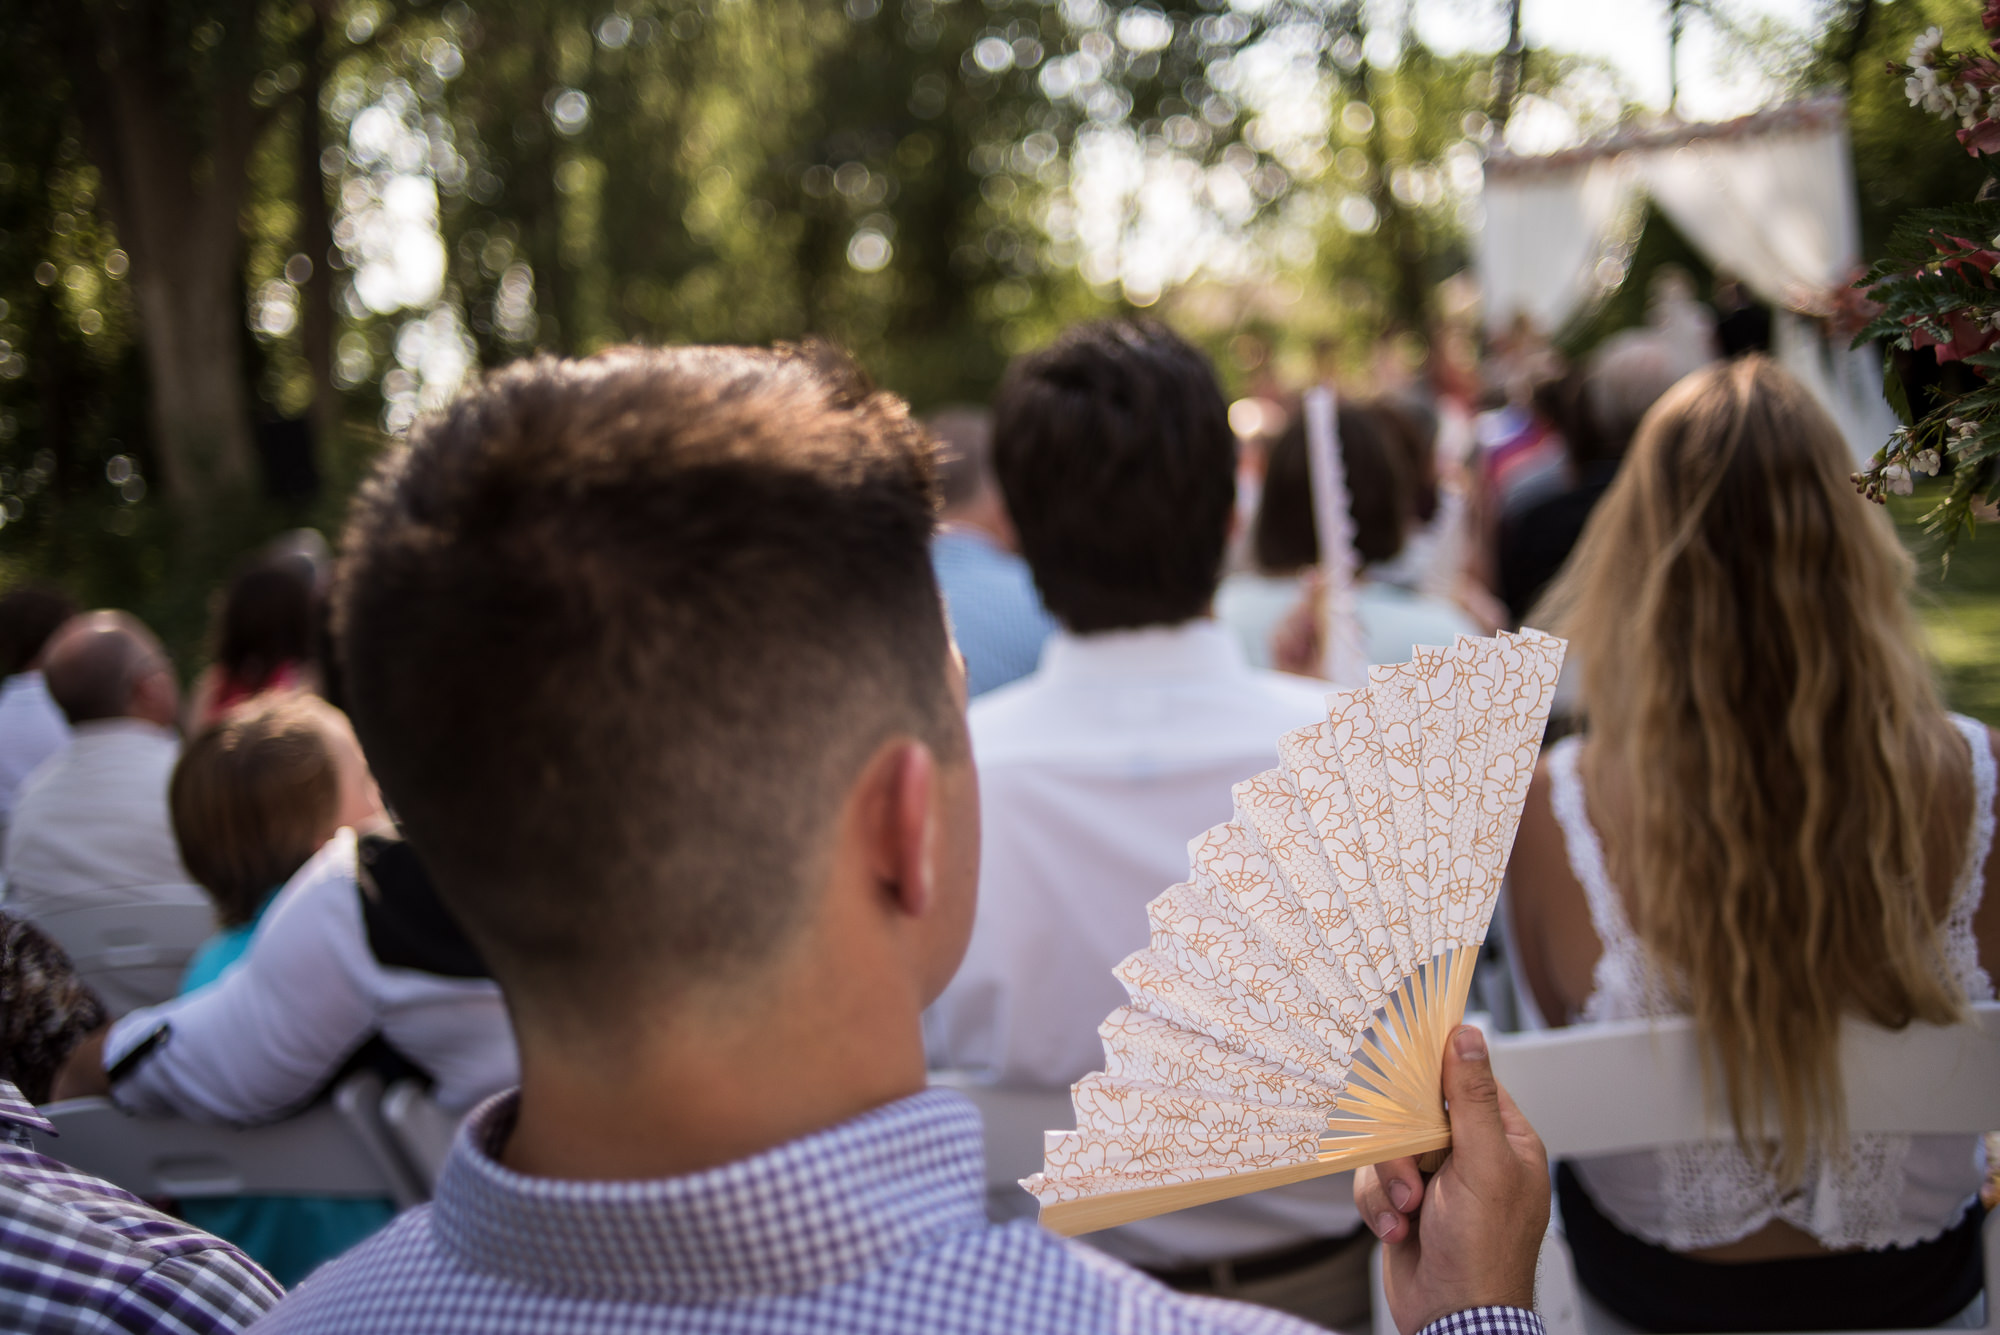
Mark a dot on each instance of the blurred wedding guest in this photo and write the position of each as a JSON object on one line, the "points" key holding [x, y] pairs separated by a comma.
{"points": [[356, 952], [1742, 323], [77, 1254], [996, 615], [264, 637], [32, 728], [1285, 542], [1114, 451], [91, 830], [1625, 378], [253, 798], [1769, 824], [720, 876], [45, 1009]]}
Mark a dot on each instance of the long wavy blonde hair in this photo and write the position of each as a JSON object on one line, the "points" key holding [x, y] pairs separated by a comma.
{"points": [[1756, 703]]}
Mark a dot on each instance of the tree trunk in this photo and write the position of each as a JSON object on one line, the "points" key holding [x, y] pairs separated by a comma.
{"points": [[316, 316], [175, 205]]}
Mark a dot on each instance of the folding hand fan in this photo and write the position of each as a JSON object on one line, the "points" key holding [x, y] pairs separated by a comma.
{"points": [[1288, 1018]]}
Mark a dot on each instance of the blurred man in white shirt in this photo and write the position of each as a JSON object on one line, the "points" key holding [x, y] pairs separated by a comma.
{"points": [[31, 727], [1114, 452], [91, 828]]}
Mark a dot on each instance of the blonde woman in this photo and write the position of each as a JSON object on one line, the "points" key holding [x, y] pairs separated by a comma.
{"points": [[1768, 823]]}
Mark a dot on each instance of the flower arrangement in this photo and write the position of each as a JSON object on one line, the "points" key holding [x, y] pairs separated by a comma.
{"points": [[1936, 290]]}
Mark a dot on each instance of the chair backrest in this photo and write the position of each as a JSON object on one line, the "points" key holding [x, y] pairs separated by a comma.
{"points": [[320, 1152], [421, 1130], [1016, 1120], [132, 954], [1631, 1085]]}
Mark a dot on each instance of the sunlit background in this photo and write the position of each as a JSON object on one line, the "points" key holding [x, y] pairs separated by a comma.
{"points": [[243, 244]]}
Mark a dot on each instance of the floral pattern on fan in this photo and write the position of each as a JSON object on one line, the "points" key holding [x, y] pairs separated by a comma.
{"points": [[1288, 1014]]}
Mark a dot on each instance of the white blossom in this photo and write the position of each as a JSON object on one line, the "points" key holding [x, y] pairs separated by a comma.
{"points": [[1899, 479], [1925, 47], [1927, 462]]}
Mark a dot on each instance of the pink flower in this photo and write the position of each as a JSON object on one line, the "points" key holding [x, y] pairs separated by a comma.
{"points": [[1991, 16], [1967, 337], [1981, 138], [1971, 256]]}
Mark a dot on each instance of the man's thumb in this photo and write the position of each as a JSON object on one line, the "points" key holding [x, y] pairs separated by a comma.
{"points": [[1477, 1136]]}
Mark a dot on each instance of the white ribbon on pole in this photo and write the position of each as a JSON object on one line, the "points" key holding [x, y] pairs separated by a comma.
{"points": [[1344, 659]]}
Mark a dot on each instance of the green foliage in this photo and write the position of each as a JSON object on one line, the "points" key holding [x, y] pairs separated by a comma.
{"points": [[1903, 159]]}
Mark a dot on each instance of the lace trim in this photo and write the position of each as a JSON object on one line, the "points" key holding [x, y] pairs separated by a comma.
{"points": [[1624, 985], [1713, 1193], [1961, 947]]}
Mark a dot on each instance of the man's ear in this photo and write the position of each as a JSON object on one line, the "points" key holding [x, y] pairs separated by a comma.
{"points": [[906, 840]]}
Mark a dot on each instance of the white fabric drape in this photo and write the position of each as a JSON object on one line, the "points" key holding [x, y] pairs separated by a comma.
{"points": [[1776, 209]]}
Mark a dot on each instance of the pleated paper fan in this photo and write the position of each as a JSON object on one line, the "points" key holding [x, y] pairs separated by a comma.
{"points": [[1287, 1018]]}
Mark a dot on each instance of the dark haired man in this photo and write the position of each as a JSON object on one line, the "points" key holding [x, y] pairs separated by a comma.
{"points": [[1114, 450], [647, 655]]}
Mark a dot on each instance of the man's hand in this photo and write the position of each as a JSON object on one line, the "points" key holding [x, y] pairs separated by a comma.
{"points": [[1468, 1237]]}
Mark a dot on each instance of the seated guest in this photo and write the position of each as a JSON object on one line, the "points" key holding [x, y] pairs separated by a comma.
{"points": [[1114, 451], [91, 830], [264, 638], [1626, 377], [32, 728], [45, 1009], [78, 1254], [253, 798], [996, 615], [720, 874], [356, 948], [1769, 825], [1285, 540]]}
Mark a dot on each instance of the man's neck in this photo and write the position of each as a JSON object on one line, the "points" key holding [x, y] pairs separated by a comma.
{"points": [[719, 1078]]}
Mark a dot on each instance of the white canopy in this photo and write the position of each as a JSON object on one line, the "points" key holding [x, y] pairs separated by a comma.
{"points": [[1769, 197]]}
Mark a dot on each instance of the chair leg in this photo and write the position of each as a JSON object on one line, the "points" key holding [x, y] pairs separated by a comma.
{"points": [[1378, 1301], [1556, 1297]]}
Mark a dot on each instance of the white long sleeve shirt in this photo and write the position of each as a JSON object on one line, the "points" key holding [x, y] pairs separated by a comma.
{"points": [[313, 987], [32, 730], [1094, 774]]}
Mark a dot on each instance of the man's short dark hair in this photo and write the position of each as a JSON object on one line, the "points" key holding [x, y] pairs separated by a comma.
{"points": [[29, 615], [1285, 537], [1114, 453], [618, 634]]}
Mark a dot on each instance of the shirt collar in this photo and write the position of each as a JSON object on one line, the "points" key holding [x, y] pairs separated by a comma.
{"points": [[821, 1210], [15, 1110], [1201, 649], [123, 727]]}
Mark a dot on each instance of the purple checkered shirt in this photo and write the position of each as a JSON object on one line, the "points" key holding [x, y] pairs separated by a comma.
{"points": [[78, 1254], [875, 1225]]}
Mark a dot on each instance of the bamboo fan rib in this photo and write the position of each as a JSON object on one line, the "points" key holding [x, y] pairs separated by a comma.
{"points": [[1287, 1017]]}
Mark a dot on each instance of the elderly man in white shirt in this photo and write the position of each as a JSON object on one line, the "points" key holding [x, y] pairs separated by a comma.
{"points": [[1115, 454], [91, 829]]}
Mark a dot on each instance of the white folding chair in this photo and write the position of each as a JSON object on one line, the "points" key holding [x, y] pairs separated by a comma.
{"points": [[131, 955], [1015, 1120], [331, 1149], [421, 1131], [1638, 1085]]}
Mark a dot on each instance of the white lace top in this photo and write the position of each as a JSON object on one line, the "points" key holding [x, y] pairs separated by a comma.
{"points": [[1893, 1191]]}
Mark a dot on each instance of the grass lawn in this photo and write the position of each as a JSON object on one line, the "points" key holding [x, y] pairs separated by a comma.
{"points": [[1960, 611]]}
